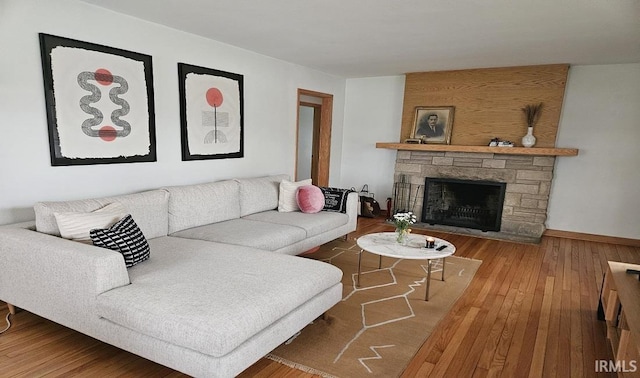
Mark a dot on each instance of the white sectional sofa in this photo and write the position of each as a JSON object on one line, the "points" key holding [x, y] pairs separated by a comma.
{"points": [[219, 291]]}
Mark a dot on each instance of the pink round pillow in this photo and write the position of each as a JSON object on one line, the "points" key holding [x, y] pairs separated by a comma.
{"points": [[310, 199]]}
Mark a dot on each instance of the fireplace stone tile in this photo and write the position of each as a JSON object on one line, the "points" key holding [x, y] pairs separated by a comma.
{"points": [[522, 188], [544, 161], [469, 155], [534, 175], [512, 199], [494, 163], [442, 160]]}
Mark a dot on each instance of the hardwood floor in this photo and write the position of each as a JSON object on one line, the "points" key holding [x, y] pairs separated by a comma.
{"points": [[529, 311]]}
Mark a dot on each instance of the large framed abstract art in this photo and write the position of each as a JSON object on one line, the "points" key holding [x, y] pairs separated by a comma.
{"points": [[99, 100], [211, 113]]}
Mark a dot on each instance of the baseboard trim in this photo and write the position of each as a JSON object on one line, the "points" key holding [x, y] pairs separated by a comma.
{"points": [[592, 237]]}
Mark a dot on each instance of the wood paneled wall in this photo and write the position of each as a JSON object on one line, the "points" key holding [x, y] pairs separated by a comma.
{"points": [[488, 102]]}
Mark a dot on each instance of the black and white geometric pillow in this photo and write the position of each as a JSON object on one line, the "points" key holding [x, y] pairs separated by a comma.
{"points": [[125, 237], [335, 199]]}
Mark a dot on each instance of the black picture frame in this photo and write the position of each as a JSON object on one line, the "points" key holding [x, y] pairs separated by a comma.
{"points": [[76, 77], [211, 113]]}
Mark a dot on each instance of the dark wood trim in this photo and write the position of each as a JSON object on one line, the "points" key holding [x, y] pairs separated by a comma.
{"points": [[317, 119], [322, 159], [592, 237], [480, 149], [324, 141], [310, 104]]}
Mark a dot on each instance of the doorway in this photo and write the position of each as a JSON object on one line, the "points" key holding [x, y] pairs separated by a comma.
{"points": [[313, 136]]}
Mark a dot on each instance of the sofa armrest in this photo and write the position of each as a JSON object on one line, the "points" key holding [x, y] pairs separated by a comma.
{"points": [[352, 210], [56, 278]]}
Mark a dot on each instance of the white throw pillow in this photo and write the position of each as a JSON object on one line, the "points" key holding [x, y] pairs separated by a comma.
{"points": [[287, 196], [76, 225]]}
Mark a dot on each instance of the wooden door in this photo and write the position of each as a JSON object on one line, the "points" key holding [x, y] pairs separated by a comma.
{"points": [[321, 151]]}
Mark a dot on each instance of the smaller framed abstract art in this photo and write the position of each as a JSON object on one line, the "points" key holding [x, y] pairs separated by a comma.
{"points": [[99, 99], [211, 113]]}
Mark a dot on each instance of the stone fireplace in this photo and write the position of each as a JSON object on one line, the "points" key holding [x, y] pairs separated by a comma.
{"points": [[527, 180]]}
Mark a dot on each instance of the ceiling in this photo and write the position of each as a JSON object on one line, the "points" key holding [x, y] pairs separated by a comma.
{"points": [[361, 38]]}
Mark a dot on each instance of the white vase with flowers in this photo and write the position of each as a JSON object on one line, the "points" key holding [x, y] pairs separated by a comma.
{"points": [[532, 114]]}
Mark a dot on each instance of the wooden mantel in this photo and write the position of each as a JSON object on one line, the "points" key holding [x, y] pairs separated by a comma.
{"points": [[480, 149]]}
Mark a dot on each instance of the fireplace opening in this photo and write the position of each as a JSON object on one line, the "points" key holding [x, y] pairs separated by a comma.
{"points": [[463, 203]]}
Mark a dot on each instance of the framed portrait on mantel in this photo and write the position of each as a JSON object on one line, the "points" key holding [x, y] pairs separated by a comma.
{"points": [[433, 124], [99, 99], [211, 113]]}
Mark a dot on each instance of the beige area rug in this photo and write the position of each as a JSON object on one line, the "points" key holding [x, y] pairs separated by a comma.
{"points": [[378, 327]]}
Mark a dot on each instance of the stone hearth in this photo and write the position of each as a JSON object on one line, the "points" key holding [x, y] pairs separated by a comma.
{"points": [[528, 180]]}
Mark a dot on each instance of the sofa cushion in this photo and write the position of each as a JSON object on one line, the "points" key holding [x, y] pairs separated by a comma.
{"points": [[149, 209], [211, 297], [259, 194], [310, 199], [313, 224], [248, 233], [124, 237], [76, 225], [200, 204], [287, 196]]}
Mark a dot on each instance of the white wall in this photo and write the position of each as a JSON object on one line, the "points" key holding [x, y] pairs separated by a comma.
{"points": [[270, 99], [596, 192], [373, 113]]}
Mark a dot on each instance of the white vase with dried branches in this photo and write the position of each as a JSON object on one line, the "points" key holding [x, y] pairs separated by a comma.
{"points": [[532, 114]]}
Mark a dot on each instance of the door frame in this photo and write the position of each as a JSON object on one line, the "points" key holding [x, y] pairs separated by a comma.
{"points": [[315, 136], [321, 160]]}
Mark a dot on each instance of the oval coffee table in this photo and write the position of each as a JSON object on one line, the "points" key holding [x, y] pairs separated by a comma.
{"points": [[384, 244]]}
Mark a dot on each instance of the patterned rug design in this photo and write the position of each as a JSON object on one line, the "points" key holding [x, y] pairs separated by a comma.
{"points": [[378, 327]]}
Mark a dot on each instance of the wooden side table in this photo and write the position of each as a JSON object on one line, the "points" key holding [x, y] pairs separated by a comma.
{"points": [[620, 300]]}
